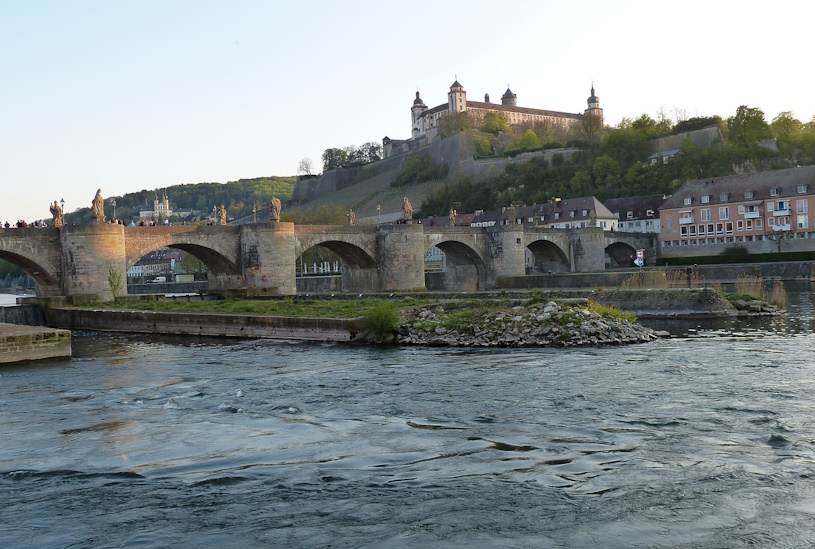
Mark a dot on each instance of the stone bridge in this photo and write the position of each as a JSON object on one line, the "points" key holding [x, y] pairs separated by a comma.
{"points": [[260, 259]]}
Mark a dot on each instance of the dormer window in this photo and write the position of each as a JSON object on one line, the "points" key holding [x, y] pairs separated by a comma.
{"points": [[649, 213], [557, 215], [748, 195], [802, 189], [629, 214], [688, 201], [706, 199], [775, 191], [585, 212], [571, 213], [724, 197]]}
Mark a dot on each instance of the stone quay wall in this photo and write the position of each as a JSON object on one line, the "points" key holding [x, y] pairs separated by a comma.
{"points": [[205, 324], [22, 343]]}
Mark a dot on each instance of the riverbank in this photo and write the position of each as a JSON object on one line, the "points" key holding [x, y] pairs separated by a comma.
{"points": [[494, 319], [23, 343]]}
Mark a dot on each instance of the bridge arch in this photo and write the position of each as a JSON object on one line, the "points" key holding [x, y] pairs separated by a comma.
{"points": [[620, 254], [47, 283], [464, 267], [357, 262], [548, 257]]}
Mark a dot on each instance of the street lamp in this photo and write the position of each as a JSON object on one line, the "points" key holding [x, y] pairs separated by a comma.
{"points": [[378, 214], [255, 212], [62, 203], [113, 203]]}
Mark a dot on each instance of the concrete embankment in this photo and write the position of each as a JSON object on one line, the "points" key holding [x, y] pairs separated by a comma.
{"points": [[21, 343], [205, 324], [659, 303]]}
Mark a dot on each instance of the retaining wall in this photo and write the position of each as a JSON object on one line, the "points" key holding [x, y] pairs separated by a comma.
{"points": [[205, 324], [21, 343]]}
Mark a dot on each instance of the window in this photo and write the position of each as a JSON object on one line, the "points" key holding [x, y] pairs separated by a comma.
{"points": [[724, 197], [571, 213], [748, 195], [649, 213], [770, 206], [741, 209], [803, 221], [802, 206], [692, 230], [688, 201], [724, 213], [775, 191], [719, 228], [710, 228], [758, 224], [629, 214], [740, 225], [801, 189], [783, 205], [584, 213], [706, 199], [705, 214], [557, 215], [701, 230], [683, 231], [728, 227], [749, 224]]}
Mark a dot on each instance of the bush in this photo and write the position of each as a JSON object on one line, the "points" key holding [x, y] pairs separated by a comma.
{"points": [[382, 320], [420, 169]]}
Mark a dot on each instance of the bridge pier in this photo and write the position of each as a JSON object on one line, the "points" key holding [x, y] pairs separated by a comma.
{"points": [[400, 256], [89, 254], [587, 250], [507, 253], [268, 259]]}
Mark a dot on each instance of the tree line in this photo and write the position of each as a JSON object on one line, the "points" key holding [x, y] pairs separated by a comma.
{"points": [[238, 197]]}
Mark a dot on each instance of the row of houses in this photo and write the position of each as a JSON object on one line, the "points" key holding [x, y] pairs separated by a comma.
{"points": [[703, 217]]}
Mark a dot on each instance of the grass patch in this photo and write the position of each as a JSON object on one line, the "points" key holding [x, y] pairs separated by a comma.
{"points": [[288, 306], [381, 320], [609, 311]]}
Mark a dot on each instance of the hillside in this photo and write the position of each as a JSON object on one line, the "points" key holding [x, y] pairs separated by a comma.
{"points": [[238, 196]]}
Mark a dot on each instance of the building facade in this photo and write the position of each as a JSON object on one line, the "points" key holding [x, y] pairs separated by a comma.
{"points": [[705, 216], [637, 214]]}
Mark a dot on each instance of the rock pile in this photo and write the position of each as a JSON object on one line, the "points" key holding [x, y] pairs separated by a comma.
{"points": [[536, 324], [755, 307]]}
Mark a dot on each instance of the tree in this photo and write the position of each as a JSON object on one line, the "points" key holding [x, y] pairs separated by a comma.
{"points": [[454, 123], [591, 125], [494, 122], [784, 125], [529, 140], [748, 126], [370, 152], [305, 166], [334, 158]]}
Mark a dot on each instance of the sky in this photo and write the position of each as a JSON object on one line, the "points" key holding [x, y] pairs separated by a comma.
{"points": [[129, 95]]}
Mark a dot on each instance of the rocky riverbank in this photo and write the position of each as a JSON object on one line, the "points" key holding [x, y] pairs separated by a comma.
{"points": [[543, 324]]}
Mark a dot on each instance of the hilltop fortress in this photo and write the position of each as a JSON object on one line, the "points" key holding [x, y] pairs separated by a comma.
{"points": [[456, 151], [425, 122]]}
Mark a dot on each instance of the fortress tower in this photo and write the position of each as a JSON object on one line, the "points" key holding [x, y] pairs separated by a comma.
{"points": [[594, 104]]}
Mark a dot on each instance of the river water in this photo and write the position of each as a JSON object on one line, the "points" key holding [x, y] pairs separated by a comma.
{"points": [[706, 439]]}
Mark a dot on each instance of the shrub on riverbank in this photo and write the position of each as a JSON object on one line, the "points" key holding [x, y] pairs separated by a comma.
{"points": [[382, 320]]}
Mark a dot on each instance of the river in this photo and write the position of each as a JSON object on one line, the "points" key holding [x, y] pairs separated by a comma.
{"points": [[706, 439]]}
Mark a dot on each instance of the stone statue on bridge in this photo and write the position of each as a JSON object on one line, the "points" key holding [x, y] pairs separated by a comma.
{"points": [[98, 207], [406, 205], [56, 211], [274, 209], [352, 217], [451, 220], [222, 215]]}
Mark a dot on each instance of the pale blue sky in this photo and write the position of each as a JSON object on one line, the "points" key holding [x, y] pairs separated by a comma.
{"points": [[131, 95]]}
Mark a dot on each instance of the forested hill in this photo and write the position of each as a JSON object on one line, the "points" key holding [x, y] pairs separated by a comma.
{"points": [[613, 162], [238, 196]]}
